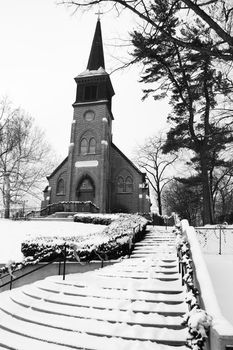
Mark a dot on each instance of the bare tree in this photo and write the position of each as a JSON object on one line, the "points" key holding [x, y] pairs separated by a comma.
{"points": [[150, 158], [185, 200], [24, 155]]}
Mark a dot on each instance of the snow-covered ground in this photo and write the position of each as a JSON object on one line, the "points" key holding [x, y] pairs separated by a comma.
{"points": [[210, 242], [220, 266], [12, 233]]}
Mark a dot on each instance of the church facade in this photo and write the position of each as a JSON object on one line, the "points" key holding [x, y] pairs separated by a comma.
{"points": [[95, 169]]}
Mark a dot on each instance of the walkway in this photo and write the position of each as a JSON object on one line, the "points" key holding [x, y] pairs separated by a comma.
{"points": [[137, 303]]}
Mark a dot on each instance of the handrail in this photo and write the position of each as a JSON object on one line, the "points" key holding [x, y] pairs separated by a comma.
{"points": [[13, 279], [131, 241]]}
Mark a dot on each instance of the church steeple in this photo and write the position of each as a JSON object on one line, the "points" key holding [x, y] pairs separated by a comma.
{"points": [[94, 83], [96, 58]]}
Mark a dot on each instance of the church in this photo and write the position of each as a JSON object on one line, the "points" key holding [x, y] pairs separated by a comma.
{"points": [[95, 170]]}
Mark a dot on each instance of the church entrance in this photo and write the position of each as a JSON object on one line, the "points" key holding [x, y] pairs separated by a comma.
{"points": [[86, 190]]}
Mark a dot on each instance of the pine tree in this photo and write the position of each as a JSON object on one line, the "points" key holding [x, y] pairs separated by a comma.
{"points": [[196, 91]]}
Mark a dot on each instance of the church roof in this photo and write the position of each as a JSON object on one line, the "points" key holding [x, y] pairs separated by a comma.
{"points": [[57, 168], [96, 58], [128, 160]]}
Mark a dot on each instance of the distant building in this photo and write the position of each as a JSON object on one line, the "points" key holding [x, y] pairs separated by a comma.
{"points": [[95, 169]]}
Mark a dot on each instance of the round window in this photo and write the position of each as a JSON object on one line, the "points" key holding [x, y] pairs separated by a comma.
{"points": [[89, 116]]}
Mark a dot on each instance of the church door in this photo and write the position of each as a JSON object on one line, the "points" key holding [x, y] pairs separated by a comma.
{"points": [[86, 190]]}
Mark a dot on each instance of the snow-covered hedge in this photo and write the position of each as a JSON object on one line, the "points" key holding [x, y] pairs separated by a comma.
{"points": [[114, 241], [99, 219]]}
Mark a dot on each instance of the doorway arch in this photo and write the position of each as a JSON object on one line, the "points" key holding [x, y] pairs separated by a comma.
{"points": [[85, 189]]}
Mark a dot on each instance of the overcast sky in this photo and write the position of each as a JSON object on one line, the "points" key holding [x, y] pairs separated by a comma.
{"points": [[44, 46]]}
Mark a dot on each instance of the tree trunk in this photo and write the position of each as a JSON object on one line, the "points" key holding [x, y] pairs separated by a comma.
{"points": [[159, 200], [7, 196], [208, 212]]}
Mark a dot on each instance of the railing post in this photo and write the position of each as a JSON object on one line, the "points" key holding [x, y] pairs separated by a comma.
{"points": [[220, 240], [59, 268], [11, 282], [64, 263]]}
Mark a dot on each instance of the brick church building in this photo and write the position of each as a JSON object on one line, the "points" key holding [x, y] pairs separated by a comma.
{"points": [[95, 169]]}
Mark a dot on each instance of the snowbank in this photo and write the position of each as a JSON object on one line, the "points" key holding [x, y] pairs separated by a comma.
{"points": [[221, 332]]}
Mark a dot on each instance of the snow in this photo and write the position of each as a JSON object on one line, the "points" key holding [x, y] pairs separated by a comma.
{"points": [[101, 309], [220, 268], [12, 233], [207, 287], [208, 237], [87, 72]]}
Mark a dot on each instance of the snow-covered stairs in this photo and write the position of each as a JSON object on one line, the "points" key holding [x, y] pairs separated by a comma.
{"points": [[137, 303], [158, 240]]}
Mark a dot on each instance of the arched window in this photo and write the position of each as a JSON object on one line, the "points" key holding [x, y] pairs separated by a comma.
{"points": [[86, 190], [92, 145], [84, 146], [120, 184], [129, 184], [60, 187]]}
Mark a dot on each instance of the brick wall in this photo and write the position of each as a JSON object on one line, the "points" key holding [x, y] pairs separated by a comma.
{"points": [[100, 129], [129, 202]]}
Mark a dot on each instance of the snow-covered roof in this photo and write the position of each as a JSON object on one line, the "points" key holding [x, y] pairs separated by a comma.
{"points": [[87, 72]]}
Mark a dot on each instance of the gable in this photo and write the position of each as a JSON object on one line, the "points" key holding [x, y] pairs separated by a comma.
{"points": [[60, 168], [125, 161]]}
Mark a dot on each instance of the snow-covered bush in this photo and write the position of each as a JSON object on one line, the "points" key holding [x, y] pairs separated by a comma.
{"points": [[198, 322], [99, 219], [112, 242]]}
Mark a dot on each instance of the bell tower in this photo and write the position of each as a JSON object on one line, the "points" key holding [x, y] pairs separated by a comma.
{"points": [[91, 132]]}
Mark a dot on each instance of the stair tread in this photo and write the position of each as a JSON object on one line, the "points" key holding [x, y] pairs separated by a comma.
{"points": [[39, 308], [105, 294], [150, 275], [149, 285], [59, 331], [162, 306], [19, 342]]}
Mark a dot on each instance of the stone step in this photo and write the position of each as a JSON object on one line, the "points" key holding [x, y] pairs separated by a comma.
{"points": [[71, 298], [150, 262], [151, 251], [150, 243], [154, 246], [140, 273], [139, 276], [19, 308], [14, 341], [101, 296], [140, 270], [159, 239], [64, 330], [143, 255], [75, 283]]}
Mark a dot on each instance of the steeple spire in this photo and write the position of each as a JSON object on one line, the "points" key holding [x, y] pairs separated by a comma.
{"points": [[96, 58]]}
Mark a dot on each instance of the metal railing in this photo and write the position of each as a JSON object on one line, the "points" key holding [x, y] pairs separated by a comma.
{"points": [[215, 239], [102, 255], [12, 278]]}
